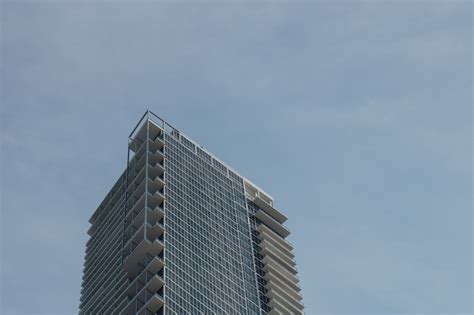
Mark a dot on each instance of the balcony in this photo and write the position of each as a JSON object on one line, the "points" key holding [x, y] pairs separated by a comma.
{"points": [[137, 189], [272, 223], [151, 266], [156, 144], [152, 281], [155, 199], [271, 274], [286, 300], [139, 253], [154, 303], [155, 133], [148, 299], [267, 233], [269, 209], [140, 227], [274, 266], [156, 152], [136, 173], [156, 170], [270, 252], [133, 235], [279, 306], [269, 245], [280, 274], [156, 214], [275, 284], [156, 183]]}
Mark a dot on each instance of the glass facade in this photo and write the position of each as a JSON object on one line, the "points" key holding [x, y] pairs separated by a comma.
{"points": [[209, 259], [182, 233]]}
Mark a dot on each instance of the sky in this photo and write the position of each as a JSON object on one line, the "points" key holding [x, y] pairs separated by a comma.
{"points": [[356, 116]]}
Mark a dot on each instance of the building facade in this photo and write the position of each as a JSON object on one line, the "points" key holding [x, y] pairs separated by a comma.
{"points": [[182, 233]]}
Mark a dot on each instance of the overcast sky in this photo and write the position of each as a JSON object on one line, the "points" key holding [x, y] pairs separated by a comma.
{"points": [[355, 115]]}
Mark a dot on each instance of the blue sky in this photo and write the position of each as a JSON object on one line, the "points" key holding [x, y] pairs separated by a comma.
{"points": [[355, 115]]}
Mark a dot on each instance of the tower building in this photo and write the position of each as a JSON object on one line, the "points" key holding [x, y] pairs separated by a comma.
{"points": [[181, 232]]}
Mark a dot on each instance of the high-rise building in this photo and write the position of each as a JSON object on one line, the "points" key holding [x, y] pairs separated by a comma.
{"points": [[182, 233]]}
